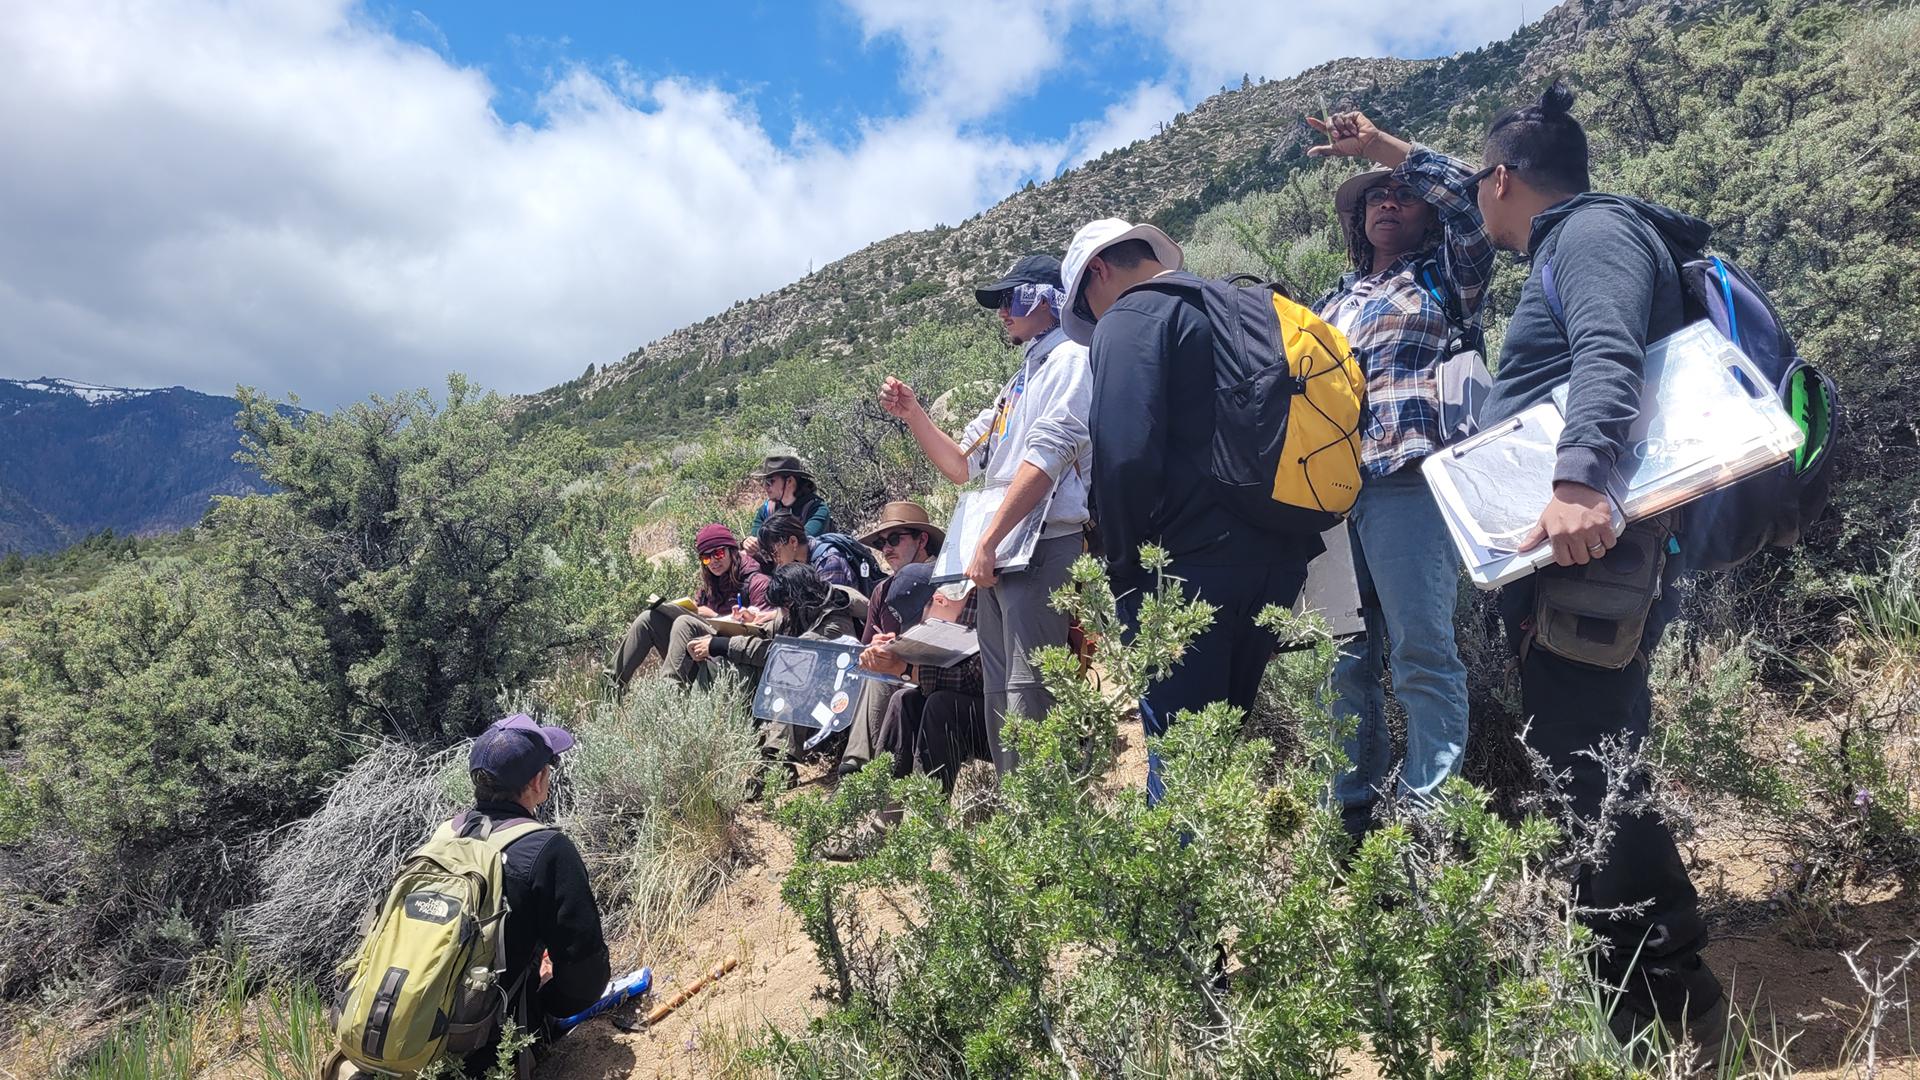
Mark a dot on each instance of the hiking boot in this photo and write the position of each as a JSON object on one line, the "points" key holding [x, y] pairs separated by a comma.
{"points": [[849, 766]]}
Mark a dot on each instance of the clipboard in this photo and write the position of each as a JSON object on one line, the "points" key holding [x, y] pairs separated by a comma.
{"points": [[972, 515]]}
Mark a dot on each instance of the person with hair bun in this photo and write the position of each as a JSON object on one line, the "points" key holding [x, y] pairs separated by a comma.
{"points": [[1603, 285], [1421, 263]]}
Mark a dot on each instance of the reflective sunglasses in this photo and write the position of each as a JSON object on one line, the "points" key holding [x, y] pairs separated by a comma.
{"points": [[712, 557], [1021, 300]]}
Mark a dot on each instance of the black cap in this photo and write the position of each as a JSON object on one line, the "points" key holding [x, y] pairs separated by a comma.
{"points": [[1034, 269], [908, 593]]}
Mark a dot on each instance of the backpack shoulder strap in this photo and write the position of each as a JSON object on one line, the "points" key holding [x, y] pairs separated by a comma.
{"points": [[1552, 293], [505, 834]]}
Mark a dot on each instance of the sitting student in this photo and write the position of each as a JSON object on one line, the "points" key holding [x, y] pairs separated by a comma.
{"points": [[789, 487], [727, 580], [550, 909], [784, 540], [939, 723], [804, 605], [906, 537]]}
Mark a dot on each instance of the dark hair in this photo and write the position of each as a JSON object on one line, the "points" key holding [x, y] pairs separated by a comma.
{"points": [[781, 525], [731, 585], [487, 789], [803, 490], [799, 591], [1543, 142], [1126, 254]]}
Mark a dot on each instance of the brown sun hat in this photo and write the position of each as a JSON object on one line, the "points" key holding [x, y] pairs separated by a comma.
{"points": [[910, 515], [783, 464]]}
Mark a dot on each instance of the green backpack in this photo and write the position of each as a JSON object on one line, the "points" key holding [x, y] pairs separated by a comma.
{"points": [[426, 981]]}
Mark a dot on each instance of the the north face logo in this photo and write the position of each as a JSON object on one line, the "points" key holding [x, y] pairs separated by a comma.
{"points": [[431, 907]]}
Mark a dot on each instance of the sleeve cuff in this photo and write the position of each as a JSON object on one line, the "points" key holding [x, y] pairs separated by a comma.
{"points": [[1583, 465], [1051, 464]]}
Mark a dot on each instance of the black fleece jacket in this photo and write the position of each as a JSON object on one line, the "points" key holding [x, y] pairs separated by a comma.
{"points": [[1152, 429], [1614, 270], [553, 909]]}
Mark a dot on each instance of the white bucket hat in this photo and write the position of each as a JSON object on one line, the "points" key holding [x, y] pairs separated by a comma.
{"points": [[1093, 238]]}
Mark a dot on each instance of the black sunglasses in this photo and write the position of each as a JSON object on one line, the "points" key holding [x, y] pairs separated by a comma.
{"points": [[1082, 309], [1474, 180], [897, 536]]}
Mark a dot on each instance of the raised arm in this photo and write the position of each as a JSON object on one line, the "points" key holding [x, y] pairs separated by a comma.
{"points": [[900, 401]]}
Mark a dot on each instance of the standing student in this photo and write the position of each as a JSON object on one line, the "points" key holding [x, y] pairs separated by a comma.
{"points": [[1421, 262], [1152, 421], [1619, 290], [1032, 442]]}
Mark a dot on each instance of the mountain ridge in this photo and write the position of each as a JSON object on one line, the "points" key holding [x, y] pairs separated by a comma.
{"points": [[79, 457], [1227, 145]]}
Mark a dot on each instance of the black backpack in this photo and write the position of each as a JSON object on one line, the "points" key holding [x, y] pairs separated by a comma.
{"points": [[867, 571], [1773, 508], [1288, 404]]}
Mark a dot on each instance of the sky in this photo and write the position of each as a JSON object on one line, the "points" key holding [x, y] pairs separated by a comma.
{"points": [[338, 198]]}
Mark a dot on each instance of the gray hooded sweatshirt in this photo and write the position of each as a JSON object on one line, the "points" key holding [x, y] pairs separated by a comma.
{"points": [[1614, 270]]}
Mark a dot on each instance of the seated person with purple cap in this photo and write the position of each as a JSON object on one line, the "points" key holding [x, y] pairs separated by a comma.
{"points": [[552, 905], [728, 580]]}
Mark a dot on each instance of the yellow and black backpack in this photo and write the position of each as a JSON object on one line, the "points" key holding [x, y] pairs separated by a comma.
{"points": [[425, 983], [1289, 402]]}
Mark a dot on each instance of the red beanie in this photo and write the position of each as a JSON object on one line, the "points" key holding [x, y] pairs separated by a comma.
{"points": [[713, 537]]}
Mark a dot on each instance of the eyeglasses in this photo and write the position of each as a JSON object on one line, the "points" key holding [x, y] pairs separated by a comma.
{"points": [[1474, 180], [1399, 193], [897, 536]]}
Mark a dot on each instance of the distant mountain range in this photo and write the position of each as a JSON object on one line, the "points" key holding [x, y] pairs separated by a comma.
{"points": [[76, 458]]}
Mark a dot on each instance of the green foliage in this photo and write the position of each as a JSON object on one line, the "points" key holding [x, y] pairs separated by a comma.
{"points": [[652, 794], [1289, 234], [828, 411], [1226, 931], [1791, 128], [407, 531], [134, 730], [295, 1033]]}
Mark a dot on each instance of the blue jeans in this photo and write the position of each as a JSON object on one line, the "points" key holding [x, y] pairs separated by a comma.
{"points": [[1409, 584]]}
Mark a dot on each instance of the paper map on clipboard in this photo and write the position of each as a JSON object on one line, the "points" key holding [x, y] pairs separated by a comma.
{"points": [[972, 516]]}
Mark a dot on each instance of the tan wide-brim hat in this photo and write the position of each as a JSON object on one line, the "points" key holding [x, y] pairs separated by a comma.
{"points": [[911, 515]]}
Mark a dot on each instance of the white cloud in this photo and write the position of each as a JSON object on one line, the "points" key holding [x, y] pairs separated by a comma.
{"points": [[967, 59], [993, 51], [1135, 116], [280, 194], [1215, 42]]}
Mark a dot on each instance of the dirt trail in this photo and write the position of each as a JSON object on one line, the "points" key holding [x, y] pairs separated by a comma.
{"points": [[1806, 989]]}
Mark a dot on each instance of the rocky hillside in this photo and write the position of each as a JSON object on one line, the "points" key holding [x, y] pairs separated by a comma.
{"points": [[76, 458], [1229, 144]]}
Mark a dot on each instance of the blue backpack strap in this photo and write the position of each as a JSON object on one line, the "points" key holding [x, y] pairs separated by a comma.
{"points": [[1553, 294], [1726, 294]]}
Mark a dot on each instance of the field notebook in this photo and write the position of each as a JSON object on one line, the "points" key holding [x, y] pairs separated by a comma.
{"points": [[1708, 419]]}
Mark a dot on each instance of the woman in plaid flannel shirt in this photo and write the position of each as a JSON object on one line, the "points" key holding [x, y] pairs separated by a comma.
{"points": [[1410, 223]]}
